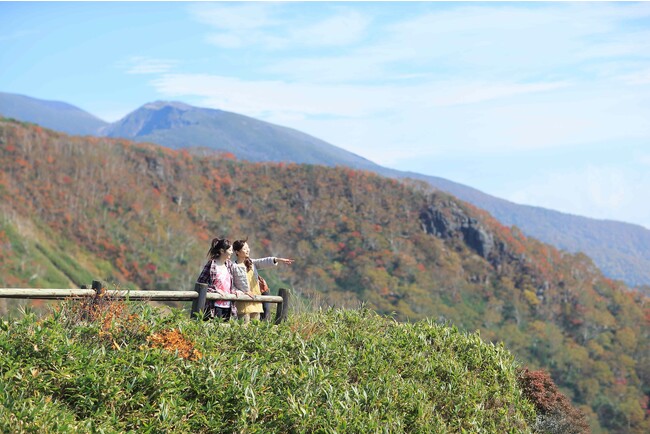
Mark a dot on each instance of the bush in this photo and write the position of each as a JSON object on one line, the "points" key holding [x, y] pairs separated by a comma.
{"points": [[555, 414], [127, 367]]}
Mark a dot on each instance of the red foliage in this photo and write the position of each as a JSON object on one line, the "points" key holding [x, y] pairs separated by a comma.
{"points": [[174, 341], [540, 389]]}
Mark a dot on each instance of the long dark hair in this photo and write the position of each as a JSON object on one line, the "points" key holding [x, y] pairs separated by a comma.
{"points": [[237, 246], [218, 247]]}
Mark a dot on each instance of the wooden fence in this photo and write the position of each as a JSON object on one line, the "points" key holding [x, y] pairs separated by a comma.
{"points": [[199, 296]]}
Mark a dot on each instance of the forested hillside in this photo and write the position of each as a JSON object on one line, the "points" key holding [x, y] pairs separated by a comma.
{"points": [[621, 250], [73, 209]]}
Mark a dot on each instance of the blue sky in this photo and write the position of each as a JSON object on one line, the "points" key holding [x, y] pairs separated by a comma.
{"points": [[546, 104]]}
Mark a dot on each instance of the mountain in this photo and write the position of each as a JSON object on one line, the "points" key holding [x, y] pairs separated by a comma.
{"points": [[177, 125], [59, 116], [73, 209], [621, 250]]}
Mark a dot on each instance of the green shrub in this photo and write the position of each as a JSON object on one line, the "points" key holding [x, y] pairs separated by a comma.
{"points": [[124, 369]]}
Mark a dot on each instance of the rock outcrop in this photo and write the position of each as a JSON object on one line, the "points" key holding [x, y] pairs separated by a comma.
{"points": [[449, 221]]}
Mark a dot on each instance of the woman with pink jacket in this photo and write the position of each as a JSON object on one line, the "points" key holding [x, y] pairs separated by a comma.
{"points": [[217, 273]]}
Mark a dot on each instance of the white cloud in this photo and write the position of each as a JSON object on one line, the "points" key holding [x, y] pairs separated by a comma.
{"points": [[639, 77], [262, 98], [242, 17], [604, 192], [225, 40], [147, 65], [259, 25], [525, 43], [455, 93], [645, 160], [335, 99], [345, 28]]}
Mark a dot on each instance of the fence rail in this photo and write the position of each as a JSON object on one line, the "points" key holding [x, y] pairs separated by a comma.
{"points": [[61, 294], [199, 296]]}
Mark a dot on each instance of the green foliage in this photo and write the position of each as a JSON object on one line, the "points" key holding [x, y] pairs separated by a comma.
{"points": [[63, 262], [38, 272], [333, 371]]}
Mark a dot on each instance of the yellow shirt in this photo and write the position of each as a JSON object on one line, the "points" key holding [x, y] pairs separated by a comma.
{"points": [[254, 286]]}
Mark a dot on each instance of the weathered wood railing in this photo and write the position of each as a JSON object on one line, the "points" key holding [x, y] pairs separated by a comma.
{"points": [[199, 296]]}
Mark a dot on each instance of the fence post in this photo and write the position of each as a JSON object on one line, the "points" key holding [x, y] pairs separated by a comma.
{"points": [[92, 306], [97, 286], [283, 308], [198, 305]]}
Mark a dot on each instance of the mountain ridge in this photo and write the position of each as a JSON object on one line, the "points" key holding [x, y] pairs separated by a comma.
{"points": [[178, 125], [56, 115], [181, 125]]}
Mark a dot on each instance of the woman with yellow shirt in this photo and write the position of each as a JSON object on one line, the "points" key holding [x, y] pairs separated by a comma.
{"points": [[245, 278]]}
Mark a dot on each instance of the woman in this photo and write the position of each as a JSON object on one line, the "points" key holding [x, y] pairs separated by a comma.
{"points": [[217, 273], [246, 278]]}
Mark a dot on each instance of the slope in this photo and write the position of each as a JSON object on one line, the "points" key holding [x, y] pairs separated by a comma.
{"points": [[621, 250], [335, 371], [143, 215]]}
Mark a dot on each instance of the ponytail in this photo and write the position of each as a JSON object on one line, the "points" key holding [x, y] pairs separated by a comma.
{"points": [[218, 247]]}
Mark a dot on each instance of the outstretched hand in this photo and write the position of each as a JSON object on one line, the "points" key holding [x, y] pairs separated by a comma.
{"points": [[285, 261]]}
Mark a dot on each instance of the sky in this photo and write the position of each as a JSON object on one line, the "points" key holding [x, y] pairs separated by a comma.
{"points": [[544, 104]]}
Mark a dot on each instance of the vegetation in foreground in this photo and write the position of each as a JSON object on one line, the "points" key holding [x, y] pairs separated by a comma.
{"points": [[129, 367]]}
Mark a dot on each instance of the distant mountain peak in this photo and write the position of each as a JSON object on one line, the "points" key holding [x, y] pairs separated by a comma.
{"points": [[157, 105]]}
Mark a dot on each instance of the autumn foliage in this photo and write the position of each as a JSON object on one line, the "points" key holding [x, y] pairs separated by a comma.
{"points": [[175, 342], [554, 410], [73, 209]]}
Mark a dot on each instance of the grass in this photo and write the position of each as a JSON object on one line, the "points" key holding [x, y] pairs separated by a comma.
{"points": [[66, 265], [126, 367]]}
